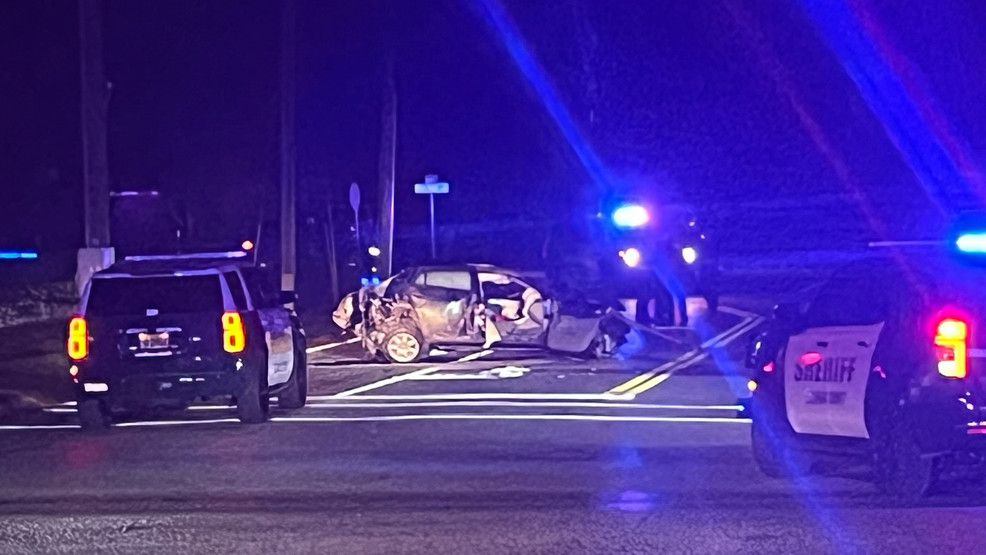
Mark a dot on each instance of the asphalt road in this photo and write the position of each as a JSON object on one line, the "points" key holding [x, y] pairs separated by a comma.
{"points": [[468, 453]]}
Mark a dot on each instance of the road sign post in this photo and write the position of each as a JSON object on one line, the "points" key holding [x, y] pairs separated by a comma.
{"points": [[354, 198], [431, 187]]}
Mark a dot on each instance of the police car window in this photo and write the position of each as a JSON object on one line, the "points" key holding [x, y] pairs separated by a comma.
{"points": [[167, 295], [858, 295], [236, 289], [460, 281]]}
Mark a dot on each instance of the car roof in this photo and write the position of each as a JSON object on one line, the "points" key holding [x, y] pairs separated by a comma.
{"points": [[465, 267]]}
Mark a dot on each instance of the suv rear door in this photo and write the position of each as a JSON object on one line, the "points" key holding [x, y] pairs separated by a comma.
{"points": [[139, 318]]}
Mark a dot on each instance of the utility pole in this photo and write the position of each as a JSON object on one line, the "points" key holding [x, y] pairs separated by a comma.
{"points": [[388, 155], [96, 253], [288, 150], [95, 107], [388, 148]]}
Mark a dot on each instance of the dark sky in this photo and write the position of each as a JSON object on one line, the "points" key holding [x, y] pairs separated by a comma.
{"points": [[726, 103]]}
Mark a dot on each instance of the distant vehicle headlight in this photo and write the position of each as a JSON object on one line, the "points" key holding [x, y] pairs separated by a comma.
{"points": [[689, 254], [631, 215], [972, 243], [631, 257]]}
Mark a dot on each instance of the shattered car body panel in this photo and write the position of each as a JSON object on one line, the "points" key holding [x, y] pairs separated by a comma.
{"points": [[471, 305]]}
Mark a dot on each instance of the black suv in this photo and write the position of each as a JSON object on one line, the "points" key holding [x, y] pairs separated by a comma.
{"points": [[162, 333], [885, 367]]}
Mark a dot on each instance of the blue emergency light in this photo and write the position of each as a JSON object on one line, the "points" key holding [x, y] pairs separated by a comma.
{"points": [[18, 255], [631, 215], [972, 242]]}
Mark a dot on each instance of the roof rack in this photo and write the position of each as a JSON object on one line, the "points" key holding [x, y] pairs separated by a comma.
{"points": [[188, 256]]}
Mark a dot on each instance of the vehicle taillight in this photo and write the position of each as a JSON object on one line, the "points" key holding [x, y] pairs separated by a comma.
{"points": [[234, 337], [951, 338], [78, 338]]}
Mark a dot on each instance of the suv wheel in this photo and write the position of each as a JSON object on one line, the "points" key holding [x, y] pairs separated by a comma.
{"points": [[295, 392], [902, 472], [252, 402], [403, 345], [93, 416], [773, 454]]}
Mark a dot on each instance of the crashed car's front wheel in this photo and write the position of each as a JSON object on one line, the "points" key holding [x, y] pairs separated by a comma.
{"points": [[403, 345]]}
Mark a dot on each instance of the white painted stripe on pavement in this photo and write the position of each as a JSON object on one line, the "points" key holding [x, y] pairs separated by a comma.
{"points": [[481, 396], [151, 423], [737, 312], [318, 348], [41, 427], [557, 404], [481, 416], [410, 375], [662, 373]]}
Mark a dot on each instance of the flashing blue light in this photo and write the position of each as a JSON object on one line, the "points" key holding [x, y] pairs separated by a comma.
{"points": [[973, 243], [18, 255], [375, 280], [364, 281], [631, 215]]}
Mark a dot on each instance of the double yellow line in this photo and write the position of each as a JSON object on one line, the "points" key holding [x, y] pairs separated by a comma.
{"points": [[653, 378]]}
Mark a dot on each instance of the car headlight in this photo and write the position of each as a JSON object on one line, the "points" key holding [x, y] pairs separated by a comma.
{"points": [[689, 255], [631, 257]]}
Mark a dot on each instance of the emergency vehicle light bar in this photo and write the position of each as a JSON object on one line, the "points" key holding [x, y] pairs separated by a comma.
{"points": [[190, 256]]}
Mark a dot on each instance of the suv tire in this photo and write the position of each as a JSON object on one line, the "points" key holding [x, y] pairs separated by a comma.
{"points": [[773, 454], [294, 395], [93, 416], [902, 472], [252, 401]]}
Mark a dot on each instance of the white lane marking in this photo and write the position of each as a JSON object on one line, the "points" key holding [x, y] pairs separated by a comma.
{"points": [[481, 396], [61, 410], [557, 404], [480, 416], [474, 356], [318, 348], [635, 381], [149, 423], [739, 333], [41, 427], [659, 375], [737, 312], [409, 376]]}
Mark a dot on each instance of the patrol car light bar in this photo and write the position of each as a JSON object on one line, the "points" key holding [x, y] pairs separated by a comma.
{"points": [[631, 215], [190, 256]]}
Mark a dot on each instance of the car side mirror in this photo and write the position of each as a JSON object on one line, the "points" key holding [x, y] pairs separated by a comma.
{"points": [[288, 297]]}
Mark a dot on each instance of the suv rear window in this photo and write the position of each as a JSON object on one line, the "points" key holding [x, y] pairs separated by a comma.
{"points": [[168, 295]]}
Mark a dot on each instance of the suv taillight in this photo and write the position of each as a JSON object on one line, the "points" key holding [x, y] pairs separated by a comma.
{"points": [[951, 346], [78, 338], [234, 337]]}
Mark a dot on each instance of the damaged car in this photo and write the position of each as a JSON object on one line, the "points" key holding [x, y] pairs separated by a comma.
{"points": [[447, 307]]}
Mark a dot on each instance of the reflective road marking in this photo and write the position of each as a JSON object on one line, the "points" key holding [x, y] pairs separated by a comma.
{"points": [[330, 345]]}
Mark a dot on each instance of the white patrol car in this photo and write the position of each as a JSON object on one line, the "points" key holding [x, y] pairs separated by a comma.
{"points": [[885, 367], [165, 331]]}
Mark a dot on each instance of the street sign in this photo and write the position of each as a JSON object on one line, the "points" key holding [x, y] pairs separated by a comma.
{"points": [[431, 188], [354, 197]]}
